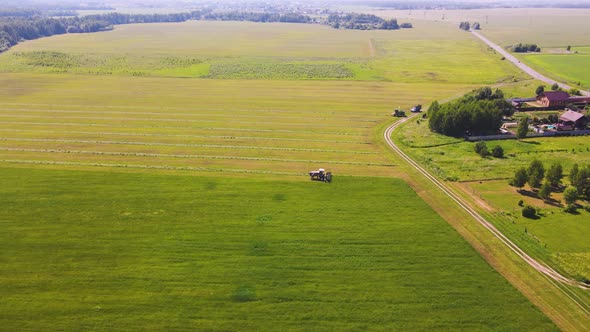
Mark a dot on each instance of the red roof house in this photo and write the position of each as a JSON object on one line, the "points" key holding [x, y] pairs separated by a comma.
{"points": [[553, 99]]}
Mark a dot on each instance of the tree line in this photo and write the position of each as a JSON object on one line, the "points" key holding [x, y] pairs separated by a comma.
{"points": [[363, 22], [479, 112], [524, 48]]}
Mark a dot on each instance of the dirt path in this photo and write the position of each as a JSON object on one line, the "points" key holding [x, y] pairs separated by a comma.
{"points": [[539, 266]]}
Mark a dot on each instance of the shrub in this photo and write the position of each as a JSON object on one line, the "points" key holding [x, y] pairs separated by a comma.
{"points": [[529, 212], [520, 202], [570, 195], [479, 145], [498, 152], [587, 208], [570, 208]]}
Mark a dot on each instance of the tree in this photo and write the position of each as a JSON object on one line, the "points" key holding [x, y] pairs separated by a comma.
{"points": [[554, 87], [523, 128], [520, 178], [574, 174], [570, 195], [555, 174], [479, 146], [569, 48], [582, 181], [484, 151], [498, 152], [545, 191], [536, 173], [529, 212], [540, 89]]}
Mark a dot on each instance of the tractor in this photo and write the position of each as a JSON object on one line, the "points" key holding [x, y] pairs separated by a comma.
{"points": [[321, 175], [398, 113]]}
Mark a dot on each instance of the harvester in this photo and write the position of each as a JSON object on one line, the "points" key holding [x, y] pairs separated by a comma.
{"points": [[321, 175]]}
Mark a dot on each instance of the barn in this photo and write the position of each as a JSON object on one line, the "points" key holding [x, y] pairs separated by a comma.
{"points": [[553, 99]]}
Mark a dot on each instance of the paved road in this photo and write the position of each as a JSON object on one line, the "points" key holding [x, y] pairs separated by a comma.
{"points": [[542, 268], [522, 66]]}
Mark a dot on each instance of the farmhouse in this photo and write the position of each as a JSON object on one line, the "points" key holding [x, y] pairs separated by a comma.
{"points": [[570, 120], [553, 99]]}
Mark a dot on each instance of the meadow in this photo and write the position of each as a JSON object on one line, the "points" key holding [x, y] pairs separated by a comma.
{"points": [[216, 253], [572, 68]]}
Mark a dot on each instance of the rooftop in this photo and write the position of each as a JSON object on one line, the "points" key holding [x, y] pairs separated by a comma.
{"points": [[571, 116]]}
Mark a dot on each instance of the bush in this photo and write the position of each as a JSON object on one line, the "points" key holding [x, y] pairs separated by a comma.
{"points": [[587, 208], [498, 152], [520, 203], [529, 212], [570, 208]]}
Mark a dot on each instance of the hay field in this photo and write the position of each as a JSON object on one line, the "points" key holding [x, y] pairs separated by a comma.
{"points": [[52, 112], [286, 127]]}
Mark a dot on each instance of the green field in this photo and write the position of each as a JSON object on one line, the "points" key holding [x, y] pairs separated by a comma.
{"points": [[571, 68], [431, 52], [165, 166], [216, 253]]}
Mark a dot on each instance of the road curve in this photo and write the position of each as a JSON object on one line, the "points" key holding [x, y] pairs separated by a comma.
{"points": [[542, 268], [522, 66]]}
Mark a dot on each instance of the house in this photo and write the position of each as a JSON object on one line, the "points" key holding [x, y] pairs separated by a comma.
{"points": [[570, 120], [553, 99]]}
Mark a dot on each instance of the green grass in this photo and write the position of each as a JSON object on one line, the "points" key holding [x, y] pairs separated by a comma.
{"points": [[430, 52], [571, 68], [113, 251], [208, 125]]}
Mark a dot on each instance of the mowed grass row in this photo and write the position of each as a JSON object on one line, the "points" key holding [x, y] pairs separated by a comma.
{"points": [[320, 124], [218, 253]]}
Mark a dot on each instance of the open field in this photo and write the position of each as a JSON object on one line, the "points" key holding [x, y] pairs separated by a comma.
{"points": [[173, 229], [431, 52], [285, 127], [197, 252], [570, 68], [547, 27]]}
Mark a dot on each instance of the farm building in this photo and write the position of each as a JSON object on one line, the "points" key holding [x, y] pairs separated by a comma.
{"points": [[554, 99], [570, 120]]}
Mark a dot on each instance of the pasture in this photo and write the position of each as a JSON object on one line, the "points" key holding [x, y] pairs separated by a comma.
{"points": [[219, 253]]}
